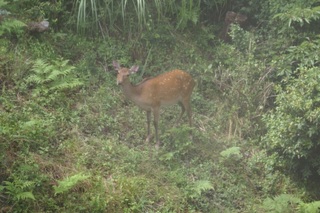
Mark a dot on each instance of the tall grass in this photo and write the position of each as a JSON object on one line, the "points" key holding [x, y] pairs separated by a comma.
{"points": [[93, 14], [83, 14]]}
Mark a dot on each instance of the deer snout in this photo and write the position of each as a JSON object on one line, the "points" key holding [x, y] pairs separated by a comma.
{"points": [[119, 80]]}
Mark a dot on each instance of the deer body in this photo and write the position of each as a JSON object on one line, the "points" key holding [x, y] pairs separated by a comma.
{"points": [[152, 94]]}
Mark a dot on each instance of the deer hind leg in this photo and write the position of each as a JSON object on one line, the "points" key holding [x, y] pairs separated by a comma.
{"points": [[156, 112], [187, 106], [183, 109]]}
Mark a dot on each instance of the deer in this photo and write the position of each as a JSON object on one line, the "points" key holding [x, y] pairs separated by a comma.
{"points": [[169, 88]]}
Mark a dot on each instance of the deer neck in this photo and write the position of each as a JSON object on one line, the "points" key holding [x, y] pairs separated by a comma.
{"points": [[131, 91]]}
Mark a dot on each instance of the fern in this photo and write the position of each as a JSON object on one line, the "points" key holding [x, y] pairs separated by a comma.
{"points": [[52, 77], [198, 187], [18, 189], [25, 196], [68, 183], [281, 204], [11, 26], [313, 207]]}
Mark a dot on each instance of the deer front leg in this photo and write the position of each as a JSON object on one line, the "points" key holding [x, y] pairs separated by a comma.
{"points": [[148, 123], [156, 112]]}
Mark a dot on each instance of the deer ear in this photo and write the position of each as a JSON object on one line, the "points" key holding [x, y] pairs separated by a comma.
{"points": [[134, 69], [116, 65]]}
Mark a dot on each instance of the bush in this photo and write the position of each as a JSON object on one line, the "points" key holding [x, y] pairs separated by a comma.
{"points": [[283, 204], [293, 126]]}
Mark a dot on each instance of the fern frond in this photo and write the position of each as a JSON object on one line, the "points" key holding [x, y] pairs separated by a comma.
{"points": [[68, 82], [61, 63], [40, 66], [281, 203], [202, 185], [69, 182], [16, 189], [11, 26], [27, 184], [25, 196], [54, 75], [310, 207], [199, 187], [46, 69], [34, 79]]}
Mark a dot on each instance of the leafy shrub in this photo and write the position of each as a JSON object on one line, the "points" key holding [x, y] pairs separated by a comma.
{"points": [[231, 153], [283, 203], [286, 203], [293, 126], [242, 39]]}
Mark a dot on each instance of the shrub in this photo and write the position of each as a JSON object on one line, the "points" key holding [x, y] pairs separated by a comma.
{"points": [[293, 125]]}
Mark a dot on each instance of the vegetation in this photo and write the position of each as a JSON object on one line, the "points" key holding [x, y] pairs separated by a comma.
{"points": [[70, 142]]}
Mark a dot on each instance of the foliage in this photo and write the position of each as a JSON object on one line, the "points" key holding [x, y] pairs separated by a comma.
{"points": [[82, 13], [2, 3], [244, 83], [277, 35], [312, 207], [188, 11], [36, 10], [283, 203], [136, 15], [299, 15], [233, 152], [11, 26], [289, 203], [52, 77], [243, 40], [293, 126], [199, 187], [18, 189], [302, 55], [68, 183], [182, 143]]}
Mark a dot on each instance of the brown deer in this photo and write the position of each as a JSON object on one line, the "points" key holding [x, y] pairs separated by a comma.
{"points": [[151, 94], [231, 18]]}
